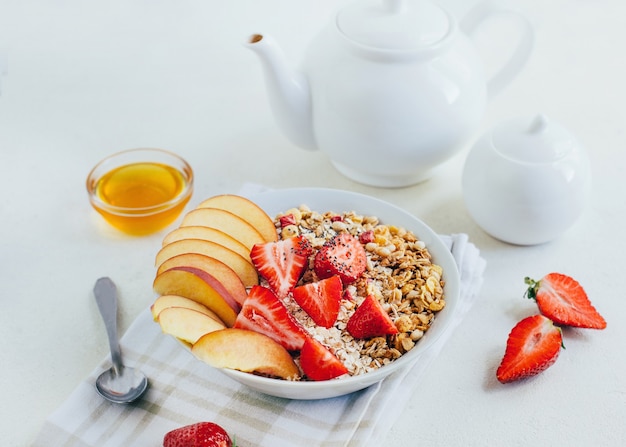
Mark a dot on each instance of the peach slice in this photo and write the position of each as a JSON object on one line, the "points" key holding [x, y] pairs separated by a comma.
{"points": [[245, 351], [186, 324], [244, 268], [200, 287], [247, 210], [165, 301], [220, 271], [207, 234], [226, 222]]}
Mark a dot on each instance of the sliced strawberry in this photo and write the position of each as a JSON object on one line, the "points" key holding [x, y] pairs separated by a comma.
{"points": [[263, 312], [370, 320], [318, 363], [563, 300], [533, 345], [201, 434], [320, 300], [341, 255], [282, 263]]}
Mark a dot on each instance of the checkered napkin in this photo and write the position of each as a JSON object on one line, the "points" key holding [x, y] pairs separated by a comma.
{"points": [[184, 390]]}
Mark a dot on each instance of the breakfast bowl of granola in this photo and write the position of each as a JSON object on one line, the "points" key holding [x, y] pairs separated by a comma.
{"points": [[345, 290]]}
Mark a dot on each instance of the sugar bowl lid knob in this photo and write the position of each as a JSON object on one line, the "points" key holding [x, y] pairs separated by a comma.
{"points": [[534, 140]]}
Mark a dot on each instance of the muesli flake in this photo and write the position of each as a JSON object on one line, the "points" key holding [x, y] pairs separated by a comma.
{"points": [[400, 274]]}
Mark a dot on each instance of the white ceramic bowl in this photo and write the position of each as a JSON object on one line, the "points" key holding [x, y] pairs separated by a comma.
{"points": [[333, 200]]}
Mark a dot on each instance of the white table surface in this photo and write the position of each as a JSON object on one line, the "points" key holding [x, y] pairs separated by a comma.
{"points": [[86, 79]]}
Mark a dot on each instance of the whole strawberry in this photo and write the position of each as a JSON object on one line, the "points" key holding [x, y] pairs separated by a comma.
{"points": [[533, 345], [563, 300], [201, 434]]}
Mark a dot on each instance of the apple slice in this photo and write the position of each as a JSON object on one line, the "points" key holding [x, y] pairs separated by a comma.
{"points": [[207, 234], [200, 287], [165, 301], [220, 271], [186, 324], [224, 221], [245, 351], [244, 268], [247, 210]]}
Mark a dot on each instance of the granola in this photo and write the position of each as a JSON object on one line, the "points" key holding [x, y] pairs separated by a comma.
{"points": [[399, 273]]}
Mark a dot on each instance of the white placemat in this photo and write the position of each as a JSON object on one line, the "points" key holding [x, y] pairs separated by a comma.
{"points": [[183, 390]]}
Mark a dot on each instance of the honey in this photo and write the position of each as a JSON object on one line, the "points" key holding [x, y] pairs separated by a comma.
{"points": [[141, 197]]}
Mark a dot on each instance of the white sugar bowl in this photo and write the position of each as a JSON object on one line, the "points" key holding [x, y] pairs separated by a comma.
{"points": [[526, 181]]}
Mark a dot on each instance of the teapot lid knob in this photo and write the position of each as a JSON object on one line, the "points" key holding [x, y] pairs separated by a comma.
{"points": [[396, 6], [538, 124], [394, 24]]}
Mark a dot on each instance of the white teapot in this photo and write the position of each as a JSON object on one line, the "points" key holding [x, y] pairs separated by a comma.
{"points": [[389, 89]]}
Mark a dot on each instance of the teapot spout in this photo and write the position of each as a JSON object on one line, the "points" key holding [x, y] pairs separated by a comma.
{"points": [[288, 92]]}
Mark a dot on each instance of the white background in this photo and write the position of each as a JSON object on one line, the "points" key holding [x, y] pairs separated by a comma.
{"points": [[86, 79]]}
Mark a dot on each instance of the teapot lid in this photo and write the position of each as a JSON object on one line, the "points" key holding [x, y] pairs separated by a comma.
{"points": [[533, 140], [394, 24]]}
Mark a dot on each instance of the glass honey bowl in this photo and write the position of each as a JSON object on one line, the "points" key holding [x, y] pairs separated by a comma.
{"points": [[140, 191]]}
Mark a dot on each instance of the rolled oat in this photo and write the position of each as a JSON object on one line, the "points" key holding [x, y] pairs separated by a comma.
{"points": [[400, 273]]}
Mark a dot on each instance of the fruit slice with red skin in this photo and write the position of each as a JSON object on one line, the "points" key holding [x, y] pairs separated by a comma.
{"points": [[264, 313], [207, 234], [318, 363], [193, 285], [320, 300], [211, 266], [242, 266], [532, 346], [341, 255], [201, 434], [282, 263], [563, 300], [226, 222], [247, 210], [212, 281], [370, 320], [246, 351], [165, 301]]}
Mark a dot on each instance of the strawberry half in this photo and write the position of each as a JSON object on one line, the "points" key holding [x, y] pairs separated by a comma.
{"points": [[318, 363], [263, 312], [320, 300], [370, 320], [201, 434], [282, 263], [341, 255], [533, 345], [563, 300]]}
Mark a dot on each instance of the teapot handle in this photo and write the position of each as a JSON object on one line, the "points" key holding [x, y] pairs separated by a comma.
{"points": [[476, 16]]}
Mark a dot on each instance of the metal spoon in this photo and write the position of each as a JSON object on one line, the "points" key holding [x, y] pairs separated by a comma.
{"points": [[120, 384]]}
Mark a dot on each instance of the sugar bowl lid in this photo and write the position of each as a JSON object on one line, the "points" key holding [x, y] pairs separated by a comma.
{"points": [[394, 24], [533, 140]]}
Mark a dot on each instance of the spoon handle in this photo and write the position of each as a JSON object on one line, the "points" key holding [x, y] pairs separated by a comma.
{"points": [[106, 297]]}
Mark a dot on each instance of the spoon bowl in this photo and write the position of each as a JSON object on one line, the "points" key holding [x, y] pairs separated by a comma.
{"points": [[119, 384], [121, 387]]}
